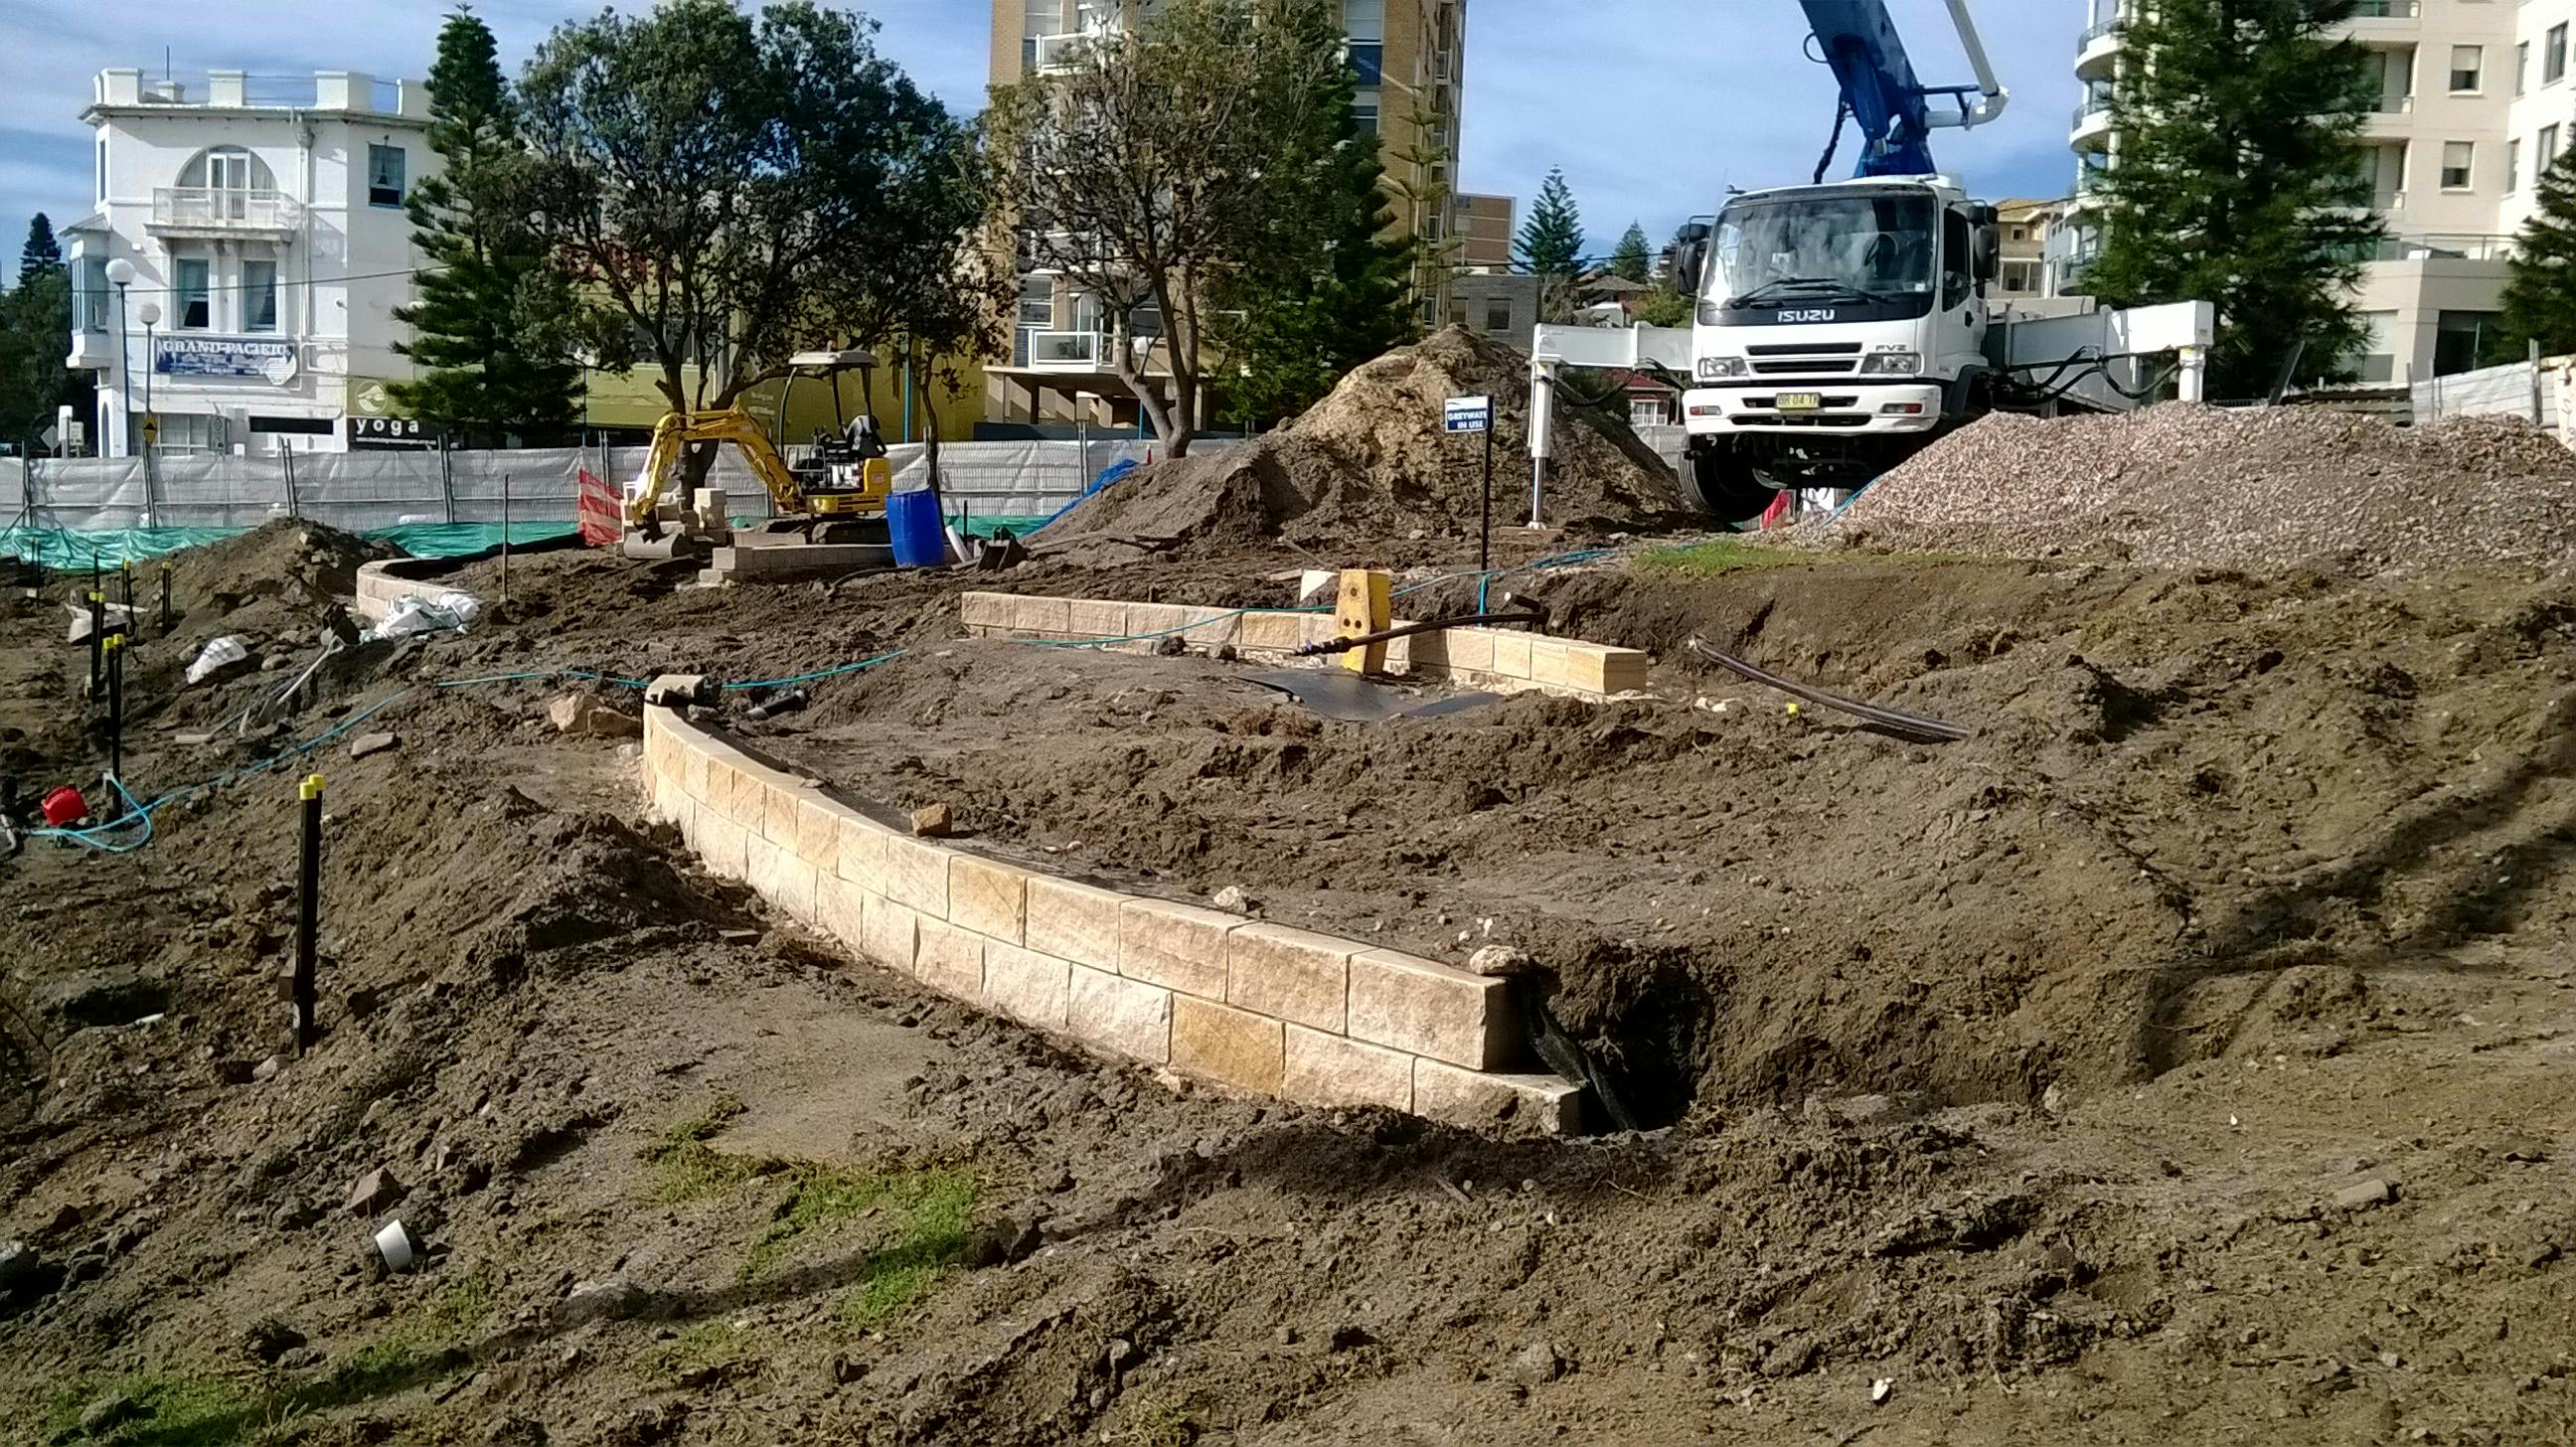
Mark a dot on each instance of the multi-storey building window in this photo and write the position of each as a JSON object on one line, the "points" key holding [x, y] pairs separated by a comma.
{"points": [[385, 168], [194, 293], [2548, 149], [259, 296], [2521, 66], [2553, 56], [2512, 166], [2459, 164], [2468, 65]]}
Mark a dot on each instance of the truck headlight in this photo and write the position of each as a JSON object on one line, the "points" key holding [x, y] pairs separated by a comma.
{"points": [[1718, 369], [1891, 364]]}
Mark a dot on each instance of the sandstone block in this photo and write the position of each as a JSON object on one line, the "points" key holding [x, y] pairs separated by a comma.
{"points": [[917, 875], [721, 845], [1515, 1104], [1290, 973], [1511, 653], [1032, 988], [1096, 617], [1322, 1069], [950, 960], [989, 898], [840, 910], [1074, 921], [1426, 1008], [862, 856], [1177, 946], [1271, 632], [1224, 1044], [893, 933], [818, 833], [1117, 1014]]}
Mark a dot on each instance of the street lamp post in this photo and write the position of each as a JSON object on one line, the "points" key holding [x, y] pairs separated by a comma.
{"points": [[120, 274], [150, 312]]}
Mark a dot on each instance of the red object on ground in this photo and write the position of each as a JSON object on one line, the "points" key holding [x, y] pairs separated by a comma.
{"points": [[65, 807], [602, 512], [1780, 508]]}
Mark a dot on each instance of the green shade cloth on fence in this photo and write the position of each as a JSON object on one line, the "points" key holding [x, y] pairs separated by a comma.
{"points": [[70, 550]]}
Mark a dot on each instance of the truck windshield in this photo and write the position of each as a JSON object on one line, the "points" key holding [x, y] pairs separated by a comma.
{"points": [[1866, 247]]}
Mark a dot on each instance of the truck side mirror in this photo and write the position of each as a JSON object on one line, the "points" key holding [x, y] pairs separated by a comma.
{"points": [[1990, 251], [1689, 264]]}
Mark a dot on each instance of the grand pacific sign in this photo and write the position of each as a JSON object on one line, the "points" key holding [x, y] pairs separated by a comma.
{"points": [[262, 359]]}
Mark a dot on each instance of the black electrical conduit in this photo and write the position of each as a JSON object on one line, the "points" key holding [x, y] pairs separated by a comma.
{"points": [[1896, 721]]}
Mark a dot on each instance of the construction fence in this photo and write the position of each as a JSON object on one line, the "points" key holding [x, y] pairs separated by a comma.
{"points": [[445, 502], [2534, 391]]}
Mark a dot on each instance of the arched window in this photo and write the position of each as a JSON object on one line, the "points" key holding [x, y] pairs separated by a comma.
{"points": [[232, 174]]}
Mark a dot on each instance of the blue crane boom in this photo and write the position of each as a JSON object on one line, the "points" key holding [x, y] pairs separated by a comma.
{"points": [[1894, 109]]}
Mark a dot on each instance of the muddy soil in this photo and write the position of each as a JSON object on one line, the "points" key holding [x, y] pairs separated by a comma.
{"points": [[2019, 1090]]}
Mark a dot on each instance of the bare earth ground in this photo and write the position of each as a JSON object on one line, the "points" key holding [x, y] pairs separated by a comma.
{"points": [[2020, 1075]]}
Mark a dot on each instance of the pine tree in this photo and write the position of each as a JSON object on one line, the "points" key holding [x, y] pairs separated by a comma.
{"points": [[1333, 288], [2540, 295], [42, 252], [1551, 240], [1630, 261], [486, 324], [2236, 181]]}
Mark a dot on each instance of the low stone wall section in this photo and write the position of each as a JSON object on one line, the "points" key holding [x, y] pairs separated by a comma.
{"points": [[383, 584], [1262, 1007], [1504, 659]]}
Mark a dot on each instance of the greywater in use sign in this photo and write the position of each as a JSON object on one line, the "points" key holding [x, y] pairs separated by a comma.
{"points": [[254, 358]]}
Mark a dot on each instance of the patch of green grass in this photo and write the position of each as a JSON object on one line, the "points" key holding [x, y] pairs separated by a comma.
{"points": [[930, 1210], [714, 1345], [1720, 556], [688, 1167], [174, 1407]]}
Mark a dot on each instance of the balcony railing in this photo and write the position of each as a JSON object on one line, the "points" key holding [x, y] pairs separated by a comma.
{"points": [[2093, 33], [2386, 10], [1077, 351], [2389, 105], [1059, 52], [2435, 246], [2091, 106], [224, 209]]}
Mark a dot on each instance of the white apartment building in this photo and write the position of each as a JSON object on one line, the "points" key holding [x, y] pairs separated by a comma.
{"points": [[262, 222], [2473, 99]]}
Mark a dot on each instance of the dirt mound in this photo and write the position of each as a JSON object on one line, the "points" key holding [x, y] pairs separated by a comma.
{"points": [[303, 560], [2200, 486], [1371, 463]]}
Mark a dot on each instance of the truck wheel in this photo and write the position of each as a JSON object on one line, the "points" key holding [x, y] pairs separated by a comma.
{"points": [[1724, 485]]}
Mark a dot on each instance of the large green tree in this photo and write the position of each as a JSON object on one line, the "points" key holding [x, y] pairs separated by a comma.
{"points": [[1550, 246], [1145, 170], [1332, 288], [488, 323], [42, 251], [2540, 295], [733, 189], [1629, 260], [35, 334], [2239, 181]]}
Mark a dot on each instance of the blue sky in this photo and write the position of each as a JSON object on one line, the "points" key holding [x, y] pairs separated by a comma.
{"points": [[1652, 107]]}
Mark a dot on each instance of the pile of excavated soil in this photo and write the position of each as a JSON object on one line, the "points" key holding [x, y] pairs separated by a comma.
{"points": [[1371, 464], [2208, 487]]}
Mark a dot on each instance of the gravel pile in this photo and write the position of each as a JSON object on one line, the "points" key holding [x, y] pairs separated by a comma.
{"points": [[2199, 486]]}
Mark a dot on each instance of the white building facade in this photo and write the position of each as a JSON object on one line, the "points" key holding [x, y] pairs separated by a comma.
{"points": [[257, 225], [2472, 99]]}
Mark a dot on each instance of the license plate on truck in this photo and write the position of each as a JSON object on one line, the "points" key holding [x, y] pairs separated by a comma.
{"points": [[1799, 401]]}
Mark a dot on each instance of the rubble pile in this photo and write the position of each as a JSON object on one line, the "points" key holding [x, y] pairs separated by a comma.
{"points": [[2192, 486]]}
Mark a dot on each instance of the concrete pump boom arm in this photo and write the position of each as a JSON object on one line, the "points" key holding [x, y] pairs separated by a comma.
{"points": [[1859, 40]]}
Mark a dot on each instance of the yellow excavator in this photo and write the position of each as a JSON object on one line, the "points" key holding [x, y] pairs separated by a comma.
{"points": [[837, 503]]}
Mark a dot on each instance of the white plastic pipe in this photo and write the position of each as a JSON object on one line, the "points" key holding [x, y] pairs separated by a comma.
{"points": [[1542, 429], [1994, 97]]}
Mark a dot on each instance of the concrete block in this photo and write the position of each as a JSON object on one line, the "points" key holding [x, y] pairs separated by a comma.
{"points": [[1074, 921], [818, 833], [782, 878], [1293, 974], [893, 933], [1467, 650], [692, 766], [1096, 617], [916, 874], [1426, 1008], [990, 899], [670, 805], [1320, 627], [950, 960], [1548, 663], [1221, 1043], [862, 858], [1322, 1069], [1177, 946], [1031, 988], [746, 796], [1044, 617], [985, 610], [1623, 670], [1271, 632], [1126, 1017], [1511, 653], [720, 844], [1518, 1104], [841, 911]]}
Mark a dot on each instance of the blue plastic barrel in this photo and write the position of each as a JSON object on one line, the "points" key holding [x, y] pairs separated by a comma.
{"points": [[919, 534]]}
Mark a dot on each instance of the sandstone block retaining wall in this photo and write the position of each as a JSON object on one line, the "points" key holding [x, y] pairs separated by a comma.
{"points": [[1506, 659], [1262, 1007]]}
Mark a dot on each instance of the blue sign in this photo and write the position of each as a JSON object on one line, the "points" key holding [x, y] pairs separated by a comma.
{"points": [[1467, 414], [262, 359]]}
